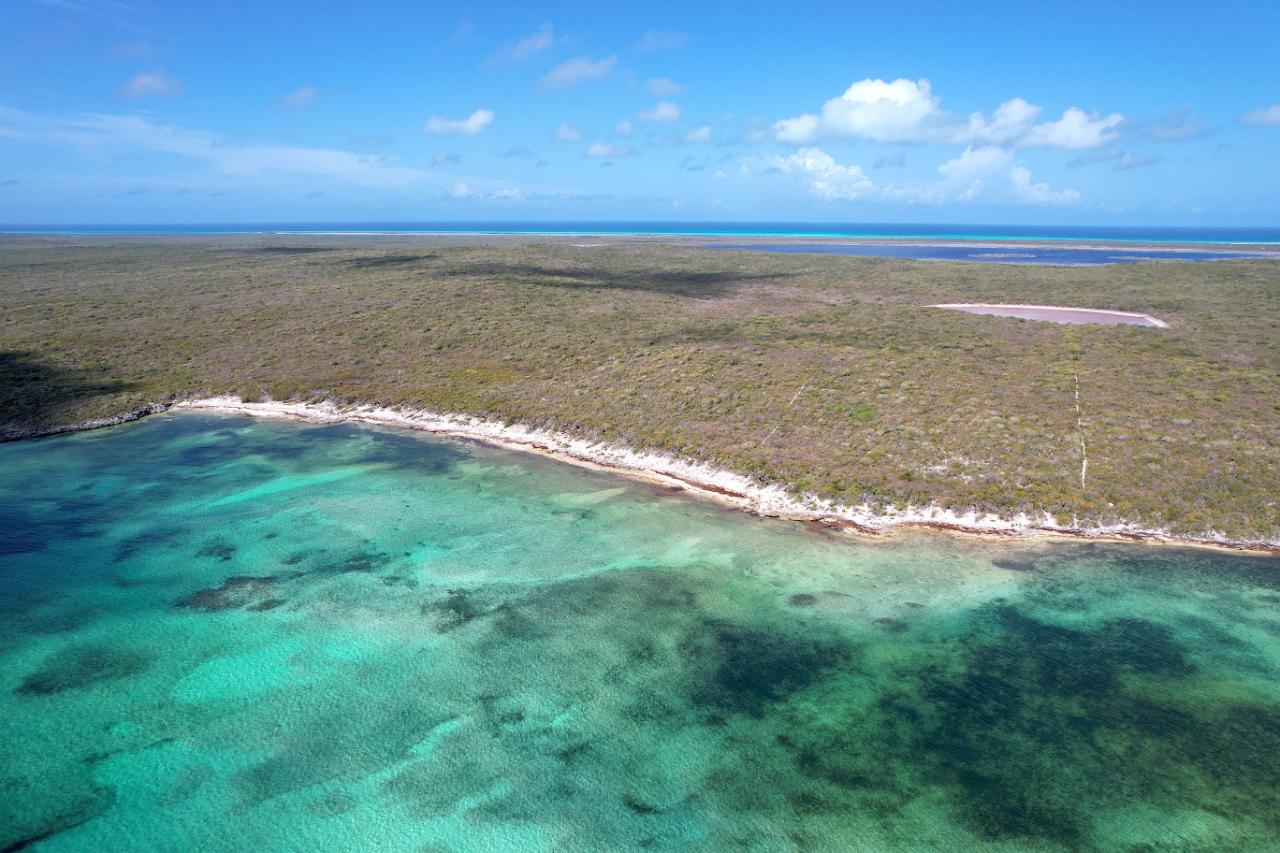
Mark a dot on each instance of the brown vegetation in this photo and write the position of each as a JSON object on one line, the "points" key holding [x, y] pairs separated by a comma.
{"points": [[820, 372]]}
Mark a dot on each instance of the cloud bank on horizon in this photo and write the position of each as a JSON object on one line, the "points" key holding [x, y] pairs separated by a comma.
{"points": [[133, 114]]}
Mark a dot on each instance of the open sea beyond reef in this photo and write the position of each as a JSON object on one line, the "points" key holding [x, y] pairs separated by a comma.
{"points": [[224, 634]]}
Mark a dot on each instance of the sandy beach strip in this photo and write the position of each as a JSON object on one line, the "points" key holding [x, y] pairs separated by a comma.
{"points": [[724, 487]]}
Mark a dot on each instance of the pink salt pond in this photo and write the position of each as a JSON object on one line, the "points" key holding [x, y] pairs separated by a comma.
{"points": [[1054, 314]]}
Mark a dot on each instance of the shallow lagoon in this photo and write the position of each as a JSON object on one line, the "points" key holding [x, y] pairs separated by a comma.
{"points": [[1002, 254], [218, 633]]}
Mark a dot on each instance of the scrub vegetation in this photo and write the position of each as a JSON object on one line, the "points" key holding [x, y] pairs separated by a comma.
{"points": [[820, 372]]}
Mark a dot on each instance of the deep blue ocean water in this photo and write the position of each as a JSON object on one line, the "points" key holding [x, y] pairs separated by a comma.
{"points": [[1155, 234], [1061, 256]]}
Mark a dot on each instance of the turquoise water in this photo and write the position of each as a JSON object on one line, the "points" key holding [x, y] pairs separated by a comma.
{"points": [[225, 634], [1091, 233]]}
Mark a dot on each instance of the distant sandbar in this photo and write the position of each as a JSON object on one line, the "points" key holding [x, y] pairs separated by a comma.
{"points": [[1056, 314]]}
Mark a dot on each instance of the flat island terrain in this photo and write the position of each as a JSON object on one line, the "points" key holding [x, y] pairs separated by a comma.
{"points": [[823, 374]]}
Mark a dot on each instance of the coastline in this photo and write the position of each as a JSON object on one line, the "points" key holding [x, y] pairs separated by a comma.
{"points": [[722, 486], [706, 482]]}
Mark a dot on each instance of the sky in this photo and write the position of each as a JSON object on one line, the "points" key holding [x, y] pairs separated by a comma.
{"points": [[1134, 113]]}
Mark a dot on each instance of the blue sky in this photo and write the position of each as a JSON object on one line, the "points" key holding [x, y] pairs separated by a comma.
{"points": [[1082, 113]]}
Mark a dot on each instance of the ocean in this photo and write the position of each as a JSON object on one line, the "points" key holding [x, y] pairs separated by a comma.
{"points": [[219, 633], [699, 229]]}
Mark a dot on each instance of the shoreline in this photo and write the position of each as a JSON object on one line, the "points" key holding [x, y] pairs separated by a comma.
{"points": [[719, 485], [726, 488]]}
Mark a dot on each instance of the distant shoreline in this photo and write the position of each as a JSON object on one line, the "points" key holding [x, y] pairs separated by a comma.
{"points": [[1018, 235], [704, 481]]}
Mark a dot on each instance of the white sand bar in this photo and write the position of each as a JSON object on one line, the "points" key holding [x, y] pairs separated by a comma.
{"points": [[1057, 314]]}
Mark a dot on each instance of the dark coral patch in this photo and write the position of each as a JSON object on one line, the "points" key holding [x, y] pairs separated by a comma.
{"points": [[1016, 564], [458, 608], [81, 666], [222, 550], [236, 591], [751, 668], [364, 562]]}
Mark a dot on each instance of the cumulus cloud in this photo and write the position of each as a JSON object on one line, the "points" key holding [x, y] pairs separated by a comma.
{"points": [[907, 111], [465, 192], [157, 83], [662, 111], [985, 174], [989, 173], [826, 178], [654, 41], [1076, 129], [298, 98], [567, 133], [1268, 116], [663, 87], [469, 126], [699, 134], [578, 70], [608, 151]]}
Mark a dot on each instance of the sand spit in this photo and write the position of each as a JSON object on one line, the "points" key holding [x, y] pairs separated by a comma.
{"points": [[725, 487], [1056, 313]]}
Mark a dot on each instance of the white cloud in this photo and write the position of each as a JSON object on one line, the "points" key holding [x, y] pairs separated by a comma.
{"points": [[623, 128], [827, 179], [567, 133], [901, 111], [662, 111], [658, 40], [469, 126], [103, 132], [608, 151], [464, 192], [1135, 161], [536, 42], [1039, 193], [578, 70], [298, 98], [699, 134], [1076, 129], [986, 174], [663, 87], [989, 174], [147, 85], [1268, 116], [907, 111]]}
